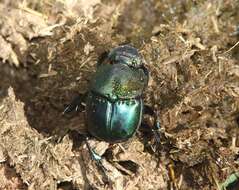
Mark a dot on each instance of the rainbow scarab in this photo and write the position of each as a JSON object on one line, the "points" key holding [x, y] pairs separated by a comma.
{"points": [[113, 103]]}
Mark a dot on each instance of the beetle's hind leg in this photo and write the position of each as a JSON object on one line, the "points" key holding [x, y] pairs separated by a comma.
{"points": [[97, 158], [77, 104], [156, 124]]}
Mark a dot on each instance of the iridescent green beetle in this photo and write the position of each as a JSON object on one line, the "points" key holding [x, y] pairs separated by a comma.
{"points": [[114, 104]]}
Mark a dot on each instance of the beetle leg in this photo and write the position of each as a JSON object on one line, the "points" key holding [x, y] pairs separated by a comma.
{"points": [[146, 72], [156, 127], [97, 158], [103, 57], [76, 104]]}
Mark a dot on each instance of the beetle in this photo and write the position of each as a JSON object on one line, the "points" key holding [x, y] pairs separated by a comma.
{"points": [[114, 103]]}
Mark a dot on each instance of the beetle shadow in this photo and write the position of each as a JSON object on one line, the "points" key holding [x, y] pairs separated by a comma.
{"points": [[47, 86], [43, 103], [54, 74]]}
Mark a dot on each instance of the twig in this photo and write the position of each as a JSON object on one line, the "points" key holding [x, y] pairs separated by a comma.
{"points": [[231, 48]]}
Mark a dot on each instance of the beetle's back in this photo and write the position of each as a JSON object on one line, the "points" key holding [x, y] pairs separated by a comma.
{"points": [[112, 121], [118, 81]]}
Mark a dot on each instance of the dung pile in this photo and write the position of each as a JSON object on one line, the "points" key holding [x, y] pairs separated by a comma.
{"points": [[48, 52]]}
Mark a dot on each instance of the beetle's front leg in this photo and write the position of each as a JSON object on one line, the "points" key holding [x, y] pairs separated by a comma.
{"points": [[76, 104], [156, 126]]}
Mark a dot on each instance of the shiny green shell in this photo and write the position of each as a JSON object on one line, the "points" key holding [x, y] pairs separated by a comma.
{"points": [[118, 81], [113, 121], [114, 105]]}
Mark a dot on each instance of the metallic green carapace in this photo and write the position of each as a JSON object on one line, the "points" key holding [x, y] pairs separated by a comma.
{"points": [[114, 104], [118, 81], [113, 121]]}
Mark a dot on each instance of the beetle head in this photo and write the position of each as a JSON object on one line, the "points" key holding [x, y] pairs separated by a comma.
{"points": [[126, 54]]}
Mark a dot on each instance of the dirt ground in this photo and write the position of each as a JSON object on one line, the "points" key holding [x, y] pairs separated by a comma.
{"points": [[48, 53]]}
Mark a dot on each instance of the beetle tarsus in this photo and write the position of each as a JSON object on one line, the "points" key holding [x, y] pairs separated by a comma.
{"points": [[76, 104], [156, 127], [156, 133], [97, 158]]}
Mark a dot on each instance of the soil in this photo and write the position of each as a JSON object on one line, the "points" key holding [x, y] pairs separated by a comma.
{"points": [[48, 53]]}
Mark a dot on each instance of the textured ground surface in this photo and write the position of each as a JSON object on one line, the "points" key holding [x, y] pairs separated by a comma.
{"points": [[48, 52]]}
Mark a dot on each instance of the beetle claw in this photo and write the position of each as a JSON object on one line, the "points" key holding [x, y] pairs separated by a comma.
{"points": [[66, 110], [76, 104], [103, 170], [101, 166], [156, 126], [156, 136], [156, 133], [98, 160]]}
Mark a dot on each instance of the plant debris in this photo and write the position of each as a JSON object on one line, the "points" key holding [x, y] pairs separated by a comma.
{"points": [[53, 48]]}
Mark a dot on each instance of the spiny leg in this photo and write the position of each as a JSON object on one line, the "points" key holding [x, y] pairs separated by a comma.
{"points": [[97, 158], [76, 104], [156, 126], [103, 58]]}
